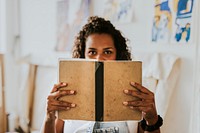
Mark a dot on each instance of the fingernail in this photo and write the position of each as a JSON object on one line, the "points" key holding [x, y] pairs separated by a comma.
{"points": [[125, 103], [71, 92], [131, 107], [132, 83], [73, 105], [68, 108], [126, 91], [64, 83]]}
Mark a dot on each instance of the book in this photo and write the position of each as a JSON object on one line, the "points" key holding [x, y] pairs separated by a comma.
{"points": [[99, 87]]}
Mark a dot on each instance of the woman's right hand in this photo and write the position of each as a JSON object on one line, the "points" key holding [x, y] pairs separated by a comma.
{"points": [[53, 102]]}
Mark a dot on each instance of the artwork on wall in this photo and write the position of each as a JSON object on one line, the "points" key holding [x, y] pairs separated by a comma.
{"points": [[162, 22], [71, 14], [172, 21], [183, 20], [118, 10]]}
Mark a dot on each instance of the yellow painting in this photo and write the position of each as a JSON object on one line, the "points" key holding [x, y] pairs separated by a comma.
{"points": [[172, 20]]}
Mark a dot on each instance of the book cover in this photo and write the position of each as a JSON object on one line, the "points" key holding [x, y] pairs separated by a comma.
{"points": [[99, 87]]}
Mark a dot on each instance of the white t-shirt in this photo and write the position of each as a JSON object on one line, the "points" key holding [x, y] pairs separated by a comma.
{"points": [[79, 126]]}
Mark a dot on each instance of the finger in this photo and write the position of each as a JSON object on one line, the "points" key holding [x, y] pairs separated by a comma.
{"points": [[137, 94], [53, 106], [56, 95], [137, 103], [58, 86], [61, 93], [63, 103], [145, 110], [57, 108], [140, 87]]}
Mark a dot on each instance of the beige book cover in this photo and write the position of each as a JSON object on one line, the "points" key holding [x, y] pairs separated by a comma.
{"points": [[99, 87]]}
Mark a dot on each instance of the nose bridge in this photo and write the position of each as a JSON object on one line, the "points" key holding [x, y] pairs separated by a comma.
{"points": [[100, 57]]}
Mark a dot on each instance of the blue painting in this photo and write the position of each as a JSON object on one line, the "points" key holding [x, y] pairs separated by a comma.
{"points": [[183, 20], [172, 21], [118, 10], [162, 22]]}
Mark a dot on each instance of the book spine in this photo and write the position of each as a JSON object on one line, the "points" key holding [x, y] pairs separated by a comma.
{"points": [[99, 91]]}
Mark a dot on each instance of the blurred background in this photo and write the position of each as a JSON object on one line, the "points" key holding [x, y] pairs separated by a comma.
{"points": [[34, 34]]}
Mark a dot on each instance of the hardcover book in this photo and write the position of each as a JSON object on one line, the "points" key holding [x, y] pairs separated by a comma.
{"points": [[99, 87]]}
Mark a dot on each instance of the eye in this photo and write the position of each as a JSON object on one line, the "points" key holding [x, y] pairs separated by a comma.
{"points": [[108, 52], [92, 52]]}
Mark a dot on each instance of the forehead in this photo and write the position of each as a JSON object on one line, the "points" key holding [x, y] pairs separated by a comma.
{"points": [[99, 40]]}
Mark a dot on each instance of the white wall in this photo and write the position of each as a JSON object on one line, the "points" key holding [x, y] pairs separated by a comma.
{"points": [[38, 38], [11, 73], [38, 25], [2, 26], [195, 119]]}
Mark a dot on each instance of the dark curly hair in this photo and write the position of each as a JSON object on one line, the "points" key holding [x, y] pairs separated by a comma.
{"points": [[98, 25]]}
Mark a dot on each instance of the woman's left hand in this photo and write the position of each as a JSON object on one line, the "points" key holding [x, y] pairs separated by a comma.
{"points": [[145, 102]]}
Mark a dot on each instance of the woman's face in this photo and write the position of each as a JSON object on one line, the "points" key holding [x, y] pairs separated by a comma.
{"points": [[100, 47]]}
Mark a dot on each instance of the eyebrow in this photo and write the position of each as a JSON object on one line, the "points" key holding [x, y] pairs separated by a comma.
{"points": [[92, 48], [104, 48], [108, 48]]}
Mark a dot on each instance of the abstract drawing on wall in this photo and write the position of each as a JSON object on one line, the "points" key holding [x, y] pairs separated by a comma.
{"points": [[162, 22], [172, 20], [71, 14], [118, 10], [183, 20]]}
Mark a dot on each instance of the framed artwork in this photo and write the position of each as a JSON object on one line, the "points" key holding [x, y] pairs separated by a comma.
{"points": [[162, 22], [172, 21], [183, 20], [71, 14], [118, 10]]}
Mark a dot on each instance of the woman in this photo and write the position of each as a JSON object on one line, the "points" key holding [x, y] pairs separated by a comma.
{"points": [[99, 40]]}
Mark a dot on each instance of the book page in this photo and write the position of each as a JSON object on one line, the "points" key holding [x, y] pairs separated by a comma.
{"points": [[117, 77], [80, 77]]}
